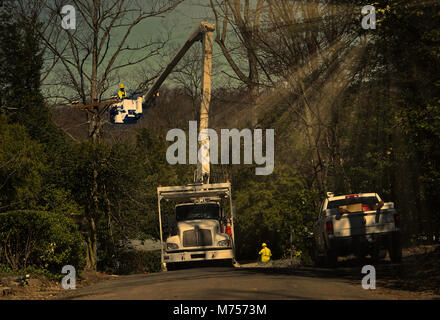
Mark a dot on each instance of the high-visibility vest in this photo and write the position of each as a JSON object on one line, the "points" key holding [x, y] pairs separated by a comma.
{"points": [[265, 254], [122, 94]]}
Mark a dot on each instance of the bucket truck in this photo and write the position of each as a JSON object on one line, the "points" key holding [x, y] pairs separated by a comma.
{"points": [[204, 214]]}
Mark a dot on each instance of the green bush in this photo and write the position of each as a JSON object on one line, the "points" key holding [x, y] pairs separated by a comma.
{"points": [[7, 271], [40, 239], [136, 261]]}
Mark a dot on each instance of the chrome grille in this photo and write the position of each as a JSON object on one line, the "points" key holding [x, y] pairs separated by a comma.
{"points": [[197, 237]]}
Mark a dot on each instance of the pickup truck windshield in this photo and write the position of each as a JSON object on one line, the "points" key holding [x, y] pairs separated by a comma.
{"points": [[197, 211], [367, 202]]}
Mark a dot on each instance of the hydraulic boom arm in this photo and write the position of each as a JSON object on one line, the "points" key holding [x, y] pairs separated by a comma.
{"points": [[203, 33], [133, 107]]}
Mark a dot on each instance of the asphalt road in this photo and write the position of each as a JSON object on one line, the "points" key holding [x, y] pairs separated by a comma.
{"points": [[238, 284]]}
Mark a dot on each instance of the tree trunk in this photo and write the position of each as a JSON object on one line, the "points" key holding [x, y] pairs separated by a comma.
{"points": [[94, 134], [92, 237], [91, 245]]}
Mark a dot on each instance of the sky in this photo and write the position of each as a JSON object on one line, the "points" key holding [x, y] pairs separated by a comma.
{"points": [[178, 23]]}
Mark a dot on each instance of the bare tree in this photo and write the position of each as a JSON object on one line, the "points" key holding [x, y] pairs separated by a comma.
{"points": [[245, 22], [86, 62], [312, 51], [188, 77], [104, 43]]}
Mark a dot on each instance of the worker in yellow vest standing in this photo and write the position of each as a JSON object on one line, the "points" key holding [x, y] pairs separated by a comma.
{"points": [[265, 253]]}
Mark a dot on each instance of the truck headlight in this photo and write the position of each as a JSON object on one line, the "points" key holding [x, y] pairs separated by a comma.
{"points": [[223, 243], [172, 246]]}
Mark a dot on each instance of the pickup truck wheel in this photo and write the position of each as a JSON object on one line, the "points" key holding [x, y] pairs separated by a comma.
{"points": [[395, 248], [317, 259], [360, 256], [331, 259], [378, 254]]}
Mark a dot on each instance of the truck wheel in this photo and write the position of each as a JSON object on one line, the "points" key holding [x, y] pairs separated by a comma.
{"points": [[226, 263], [360, 256], [317, 259], [378, 254], [395, 248], [331, 259], [172, 266]]}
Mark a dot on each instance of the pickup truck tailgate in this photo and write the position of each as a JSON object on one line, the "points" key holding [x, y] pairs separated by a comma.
{"points": [[361, 223]]}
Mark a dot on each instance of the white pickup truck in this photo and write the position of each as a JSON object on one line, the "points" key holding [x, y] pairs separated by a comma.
{"points": [[357, 224]]}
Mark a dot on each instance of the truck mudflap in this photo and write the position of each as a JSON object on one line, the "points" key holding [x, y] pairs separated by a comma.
{"points": [[202, 255]]}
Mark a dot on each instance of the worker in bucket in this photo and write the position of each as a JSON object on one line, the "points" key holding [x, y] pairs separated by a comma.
{"points": [[265, 253], [122, 94]]}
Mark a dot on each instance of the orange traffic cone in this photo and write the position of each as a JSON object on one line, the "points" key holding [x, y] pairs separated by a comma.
{"points": [[228, 228]]}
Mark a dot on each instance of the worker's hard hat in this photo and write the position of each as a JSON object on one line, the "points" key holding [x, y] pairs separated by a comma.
{"points": [[122, 86], [264, 245]]}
